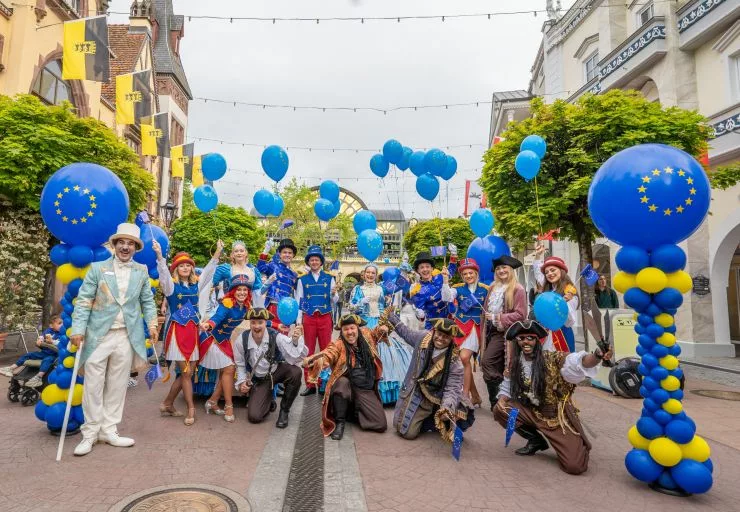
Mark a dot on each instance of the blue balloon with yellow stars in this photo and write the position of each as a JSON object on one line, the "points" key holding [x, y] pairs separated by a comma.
{"points": [[649, 195], [83, 204]]}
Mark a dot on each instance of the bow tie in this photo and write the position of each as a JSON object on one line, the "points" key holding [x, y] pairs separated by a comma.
{"points": [[127, 264]]}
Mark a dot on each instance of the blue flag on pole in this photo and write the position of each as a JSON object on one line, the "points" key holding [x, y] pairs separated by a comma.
{"points": [[438, 251], [457, 442], [152, 374], [589, 275], [511, 424], [286, 224], [334, 265]]}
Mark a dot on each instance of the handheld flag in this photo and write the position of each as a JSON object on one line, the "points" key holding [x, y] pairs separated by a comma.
{"points": [[155, 134], [182, 161], [152, 375], [439, 250], [457, 442], [511, 424], [589, 275], [334, 265], [286, 224], [143, 217], [85, 54], [133, 97]]}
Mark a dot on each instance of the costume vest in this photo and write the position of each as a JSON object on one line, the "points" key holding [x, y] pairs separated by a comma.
{"points": [[470, 304], [273, 354], [316, 294], [183, 294]]}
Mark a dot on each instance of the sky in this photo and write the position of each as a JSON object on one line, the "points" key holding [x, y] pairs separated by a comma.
{"points": [[376, 64]]}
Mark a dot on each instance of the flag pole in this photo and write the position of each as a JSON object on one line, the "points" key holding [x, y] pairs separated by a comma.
{"points": [[68, 407]]}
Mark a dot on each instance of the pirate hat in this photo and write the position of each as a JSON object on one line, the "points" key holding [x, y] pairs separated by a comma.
{"points": [[314, 250], [506, 260], [525, 327], [423, 257], [287, 243], [447, 326], [259, 314], [352, 319]]}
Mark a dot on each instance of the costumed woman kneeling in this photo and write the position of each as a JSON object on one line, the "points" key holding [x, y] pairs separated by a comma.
{"points": [[540, 389]]}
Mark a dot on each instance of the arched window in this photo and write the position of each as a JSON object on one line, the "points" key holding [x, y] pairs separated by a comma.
{"points": [[49, 85]]}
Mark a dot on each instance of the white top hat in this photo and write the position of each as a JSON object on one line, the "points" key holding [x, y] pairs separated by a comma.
{"points": [[128, 231]]}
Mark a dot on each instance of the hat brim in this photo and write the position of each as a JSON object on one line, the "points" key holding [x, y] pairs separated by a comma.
{"points": [[519, 328], [174, 266], [447, 327], [291, 247], [260, 314], [309, 256], [507, 260], [136, 240], [352, 320], [423, 260]]}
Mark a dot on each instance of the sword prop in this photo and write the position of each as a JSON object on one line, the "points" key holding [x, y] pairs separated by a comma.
{"points": [[70, 394], [511, 424]]}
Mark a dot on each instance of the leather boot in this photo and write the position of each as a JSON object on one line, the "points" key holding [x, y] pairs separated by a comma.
{"points": [[535, 441], [492, 386], [340, 406], [338, 431], [282, 421]]}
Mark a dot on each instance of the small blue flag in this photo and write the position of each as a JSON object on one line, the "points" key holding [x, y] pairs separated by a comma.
{"points": [[457, 442], [402, 283], [438, 250], [334, 265], [589, 275], [511, 424], [286, 224], [142, 217], [152, 375], [466, 303]]}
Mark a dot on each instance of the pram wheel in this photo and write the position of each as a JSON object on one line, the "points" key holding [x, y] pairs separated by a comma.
{"points": [[13, 395], [29, 397]]}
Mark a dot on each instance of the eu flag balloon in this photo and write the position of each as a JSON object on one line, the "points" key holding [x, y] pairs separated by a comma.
{"points": [[649, 195], [83, 204]]}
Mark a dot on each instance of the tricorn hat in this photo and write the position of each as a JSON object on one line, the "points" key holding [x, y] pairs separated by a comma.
{"points": [[287, 243], [259, 314], [506, 260], [128, 231], [352, 319], [525, 327], [423, 257], [314, 250], [446, 326]]}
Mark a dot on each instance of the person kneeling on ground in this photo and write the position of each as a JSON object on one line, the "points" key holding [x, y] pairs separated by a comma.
{"points": [[355, 372], [431, 395], [540, 386], [264, 358]]}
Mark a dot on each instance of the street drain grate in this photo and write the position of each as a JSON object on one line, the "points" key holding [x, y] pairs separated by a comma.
{"points": [[182, 498], [305, 489], [716, 393]]}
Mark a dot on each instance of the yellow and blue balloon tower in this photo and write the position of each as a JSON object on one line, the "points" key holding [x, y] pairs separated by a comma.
{"points": [[82, 205], [648, 198]]}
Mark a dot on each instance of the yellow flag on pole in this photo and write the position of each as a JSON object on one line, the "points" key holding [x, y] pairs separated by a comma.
{"points": [[85, 54]]}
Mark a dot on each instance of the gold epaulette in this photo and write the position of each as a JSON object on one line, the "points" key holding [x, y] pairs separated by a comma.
{"points": [[457, 285], [414, 289], [485, 286]]}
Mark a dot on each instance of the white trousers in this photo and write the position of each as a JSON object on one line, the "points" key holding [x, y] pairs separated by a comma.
{"points": [[106, 381]]}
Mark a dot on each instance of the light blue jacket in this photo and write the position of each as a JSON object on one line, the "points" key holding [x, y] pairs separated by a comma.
{"points": [[97, 306]]}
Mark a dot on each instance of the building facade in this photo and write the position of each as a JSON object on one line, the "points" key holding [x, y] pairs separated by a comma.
{"points": [[685, 54]]}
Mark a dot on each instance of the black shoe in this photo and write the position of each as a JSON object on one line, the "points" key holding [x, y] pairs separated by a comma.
{"points": [[273, 406], [282, 421], [308, 391], [338, 431], [532, 447]]}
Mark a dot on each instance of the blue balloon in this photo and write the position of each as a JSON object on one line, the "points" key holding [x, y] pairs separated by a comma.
{"points": [[650, 383], [639, 329], [40, 410], [84, 191], [654, 330], [417, 163], [55, 415], [147, 256], [666, 480], [668, 258], [641, 351], [364, 219], [659, 373], [649, 360], [63, 377], [379, 165], [324, 209], [644, 370], [482, 222], [68, 308], [390, 274], [213, 166], [644, 392], [678, 394], [205, 198], [527, 164], [153, 273], [287, 310], [551, 310], [337, 208], [678, 373], [275, 162], [650, 405], [535, 144], [427, 186], [645, 320], [450, 170], [646, 341], [405, 162], [277, 206], [653, 310], [663, 196], [484, 251], [435, 162], [692, 476], [659, 350], [59, 254], [263, 201], [74, 286], [659, 395], [369, 244], [80, 256], [668, 298], [632, 259], [636, 299], [393, 151], [77, 414], [649, 428], [675, 350], [671, 329], [101, 254], [709, 465], [329, 190], [641, 465]]}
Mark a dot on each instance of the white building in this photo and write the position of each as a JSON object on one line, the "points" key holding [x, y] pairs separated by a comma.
{"points": [[686, 54]]}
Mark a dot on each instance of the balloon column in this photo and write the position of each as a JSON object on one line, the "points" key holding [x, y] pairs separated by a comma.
{"points": [[663, 197], [82, 205], [214, 168]]}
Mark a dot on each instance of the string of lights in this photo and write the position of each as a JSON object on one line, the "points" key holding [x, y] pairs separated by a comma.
{"points": [[340, 179]]}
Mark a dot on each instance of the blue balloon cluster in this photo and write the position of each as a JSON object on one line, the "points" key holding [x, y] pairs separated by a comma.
{"points": [[327, 206], [148, 233], [484, 250], [663, 197], [268, 203], [531, 152], [213, 166], [369, 241]]}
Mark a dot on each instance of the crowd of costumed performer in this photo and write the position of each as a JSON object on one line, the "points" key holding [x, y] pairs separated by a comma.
{"points": [[216, 350], [368, 300], [281, 279], [182, 291], [427, 293]]}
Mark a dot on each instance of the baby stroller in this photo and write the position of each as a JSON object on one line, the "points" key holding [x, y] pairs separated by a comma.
{"points": [[18, 391]]}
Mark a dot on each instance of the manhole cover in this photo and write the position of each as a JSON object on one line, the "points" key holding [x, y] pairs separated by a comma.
{"points": [[184, 498], [715, 393]]}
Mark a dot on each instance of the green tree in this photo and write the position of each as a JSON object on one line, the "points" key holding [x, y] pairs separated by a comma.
{"points": [[36, 140], [723, 178], [197, 232], [334, 236], [426, 234], [187, 198]]}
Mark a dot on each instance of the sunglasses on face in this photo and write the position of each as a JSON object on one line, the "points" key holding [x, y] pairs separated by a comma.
{"points": [[529, 337]]}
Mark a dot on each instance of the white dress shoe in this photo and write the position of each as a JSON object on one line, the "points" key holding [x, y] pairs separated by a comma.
{"points": [[114, 439], [85, 446]]}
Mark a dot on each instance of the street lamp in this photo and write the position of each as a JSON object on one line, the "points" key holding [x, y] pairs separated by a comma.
{"points": [[168, 213]]}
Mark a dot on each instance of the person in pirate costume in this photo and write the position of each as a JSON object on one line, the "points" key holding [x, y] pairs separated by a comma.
{"points": [[264, 358], [182, 291], [540, 388], [427, 293], [355, 371], [505, 304], [217, 352], [431, 395], [281, 280]]}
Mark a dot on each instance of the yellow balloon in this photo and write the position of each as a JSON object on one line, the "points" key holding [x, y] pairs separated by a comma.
{"points": [[636, 439], [67, 273], [76, 395], [651, 279], [664, 320], [71, 348], [669, 362], [148, 344], [672, 405], [153, 283], [74, 301], [82, 272], [53, 394], [623, 281], [667, 339], [670, 383], [680, 280], [697, 449], [68, 332], [665, 452], [68, 362]]}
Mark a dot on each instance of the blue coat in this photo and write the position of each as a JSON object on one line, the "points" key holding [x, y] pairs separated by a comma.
{"points": [[285, 282]]}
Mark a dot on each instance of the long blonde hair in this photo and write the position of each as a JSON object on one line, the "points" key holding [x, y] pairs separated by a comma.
{"points": [[511, 287], [192, 278]]}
